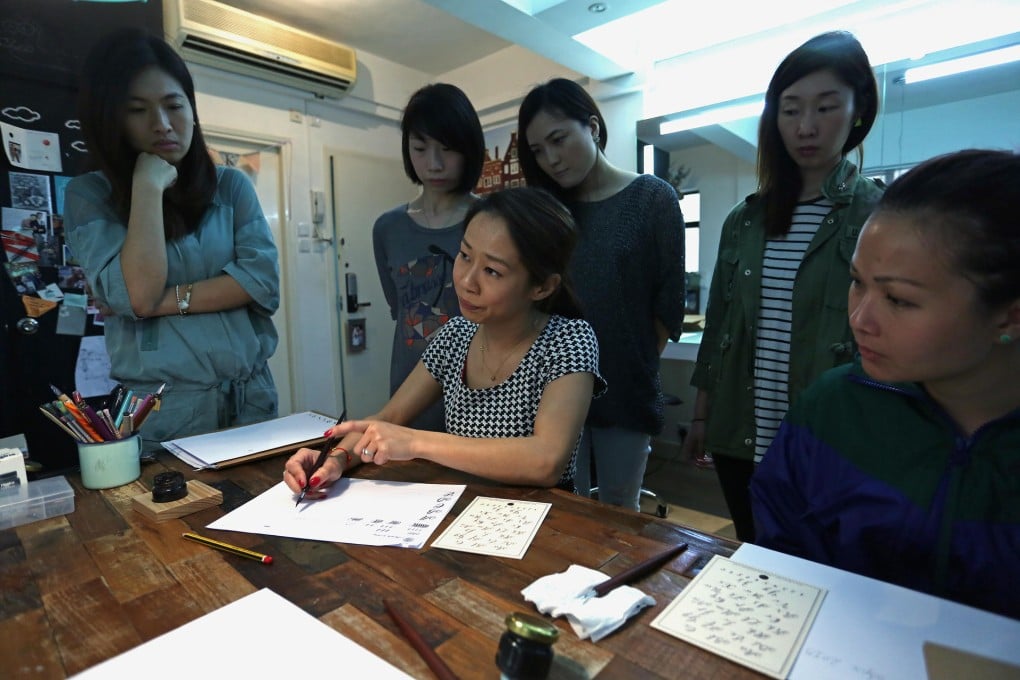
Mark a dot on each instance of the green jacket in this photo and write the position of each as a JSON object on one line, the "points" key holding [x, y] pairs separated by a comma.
{"points": [[820, 334]]}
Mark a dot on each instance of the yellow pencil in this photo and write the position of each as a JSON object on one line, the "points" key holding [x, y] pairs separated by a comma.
{"points": [[227, 547]]}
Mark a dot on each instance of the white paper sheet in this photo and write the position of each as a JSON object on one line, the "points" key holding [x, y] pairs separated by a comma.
{"points": [[869, 629], [207, 450], [92, 370], [362, 511], [751, 616], [495, 526], [259, 636]]}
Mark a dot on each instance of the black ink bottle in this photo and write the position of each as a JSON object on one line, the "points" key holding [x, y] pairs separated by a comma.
{"points": [[525, 649]]}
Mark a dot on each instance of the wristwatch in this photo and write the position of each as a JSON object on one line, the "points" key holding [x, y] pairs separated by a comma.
{"points": [[183, 303]]}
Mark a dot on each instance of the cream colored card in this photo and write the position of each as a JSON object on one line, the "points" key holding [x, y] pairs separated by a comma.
{"points": [[750, 616], [494, 526]]}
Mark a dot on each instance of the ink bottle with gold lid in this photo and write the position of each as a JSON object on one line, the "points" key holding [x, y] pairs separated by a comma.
{"points": [[525, 649]]}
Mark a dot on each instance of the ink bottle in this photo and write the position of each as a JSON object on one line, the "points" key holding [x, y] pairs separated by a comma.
{"points": [[525, 649]]}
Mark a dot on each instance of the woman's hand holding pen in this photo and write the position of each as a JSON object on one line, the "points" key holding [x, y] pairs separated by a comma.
{"points": [[302, 464]]}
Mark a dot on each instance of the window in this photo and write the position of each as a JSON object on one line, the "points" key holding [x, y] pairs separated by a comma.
{"points": [[690, 205]]}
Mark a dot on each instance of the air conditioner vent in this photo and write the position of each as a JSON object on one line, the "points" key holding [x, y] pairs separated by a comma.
{"points": [[219, 35]]}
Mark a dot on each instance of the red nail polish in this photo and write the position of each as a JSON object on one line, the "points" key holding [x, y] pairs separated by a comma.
{"points": [[326, 433], [313, 482]]}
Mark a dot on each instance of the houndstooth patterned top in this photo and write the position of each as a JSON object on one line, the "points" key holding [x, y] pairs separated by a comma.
{"points": [[508, 409]]}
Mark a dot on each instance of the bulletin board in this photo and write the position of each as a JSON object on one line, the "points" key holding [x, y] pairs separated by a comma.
{"points": [[42, 45]]}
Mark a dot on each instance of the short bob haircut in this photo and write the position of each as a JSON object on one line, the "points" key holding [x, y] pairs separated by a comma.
{"points": [[109, 69], [561, 97], [444, 113], [964, 205], [544, 234], [779, 178]]}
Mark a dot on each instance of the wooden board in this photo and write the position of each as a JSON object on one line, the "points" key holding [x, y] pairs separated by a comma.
{"points": [[200, 496]]}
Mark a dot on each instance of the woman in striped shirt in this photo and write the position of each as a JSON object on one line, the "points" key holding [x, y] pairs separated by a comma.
{"points": [[777, 307]]}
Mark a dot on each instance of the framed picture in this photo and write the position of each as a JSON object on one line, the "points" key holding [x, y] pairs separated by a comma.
{"points": [[356, 335]]}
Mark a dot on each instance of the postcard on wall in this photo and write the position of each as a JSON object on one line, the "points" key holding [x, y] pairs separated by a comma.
{"points": [[30, 191], [747, 615], [31, 149], [495, 526]]}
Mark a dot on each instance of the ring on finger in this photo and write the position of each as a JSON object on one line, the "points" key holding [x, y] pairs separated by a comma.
{"points": [[366, 453]]}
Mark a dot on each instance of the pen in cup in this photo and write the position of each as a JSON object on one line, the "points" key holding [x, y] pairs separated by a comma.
{"points": [[323, 455]]}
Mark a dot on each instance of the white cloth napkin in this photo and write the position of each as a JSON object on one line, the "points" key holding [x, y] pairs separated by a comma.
{"points": [[569, 594]]}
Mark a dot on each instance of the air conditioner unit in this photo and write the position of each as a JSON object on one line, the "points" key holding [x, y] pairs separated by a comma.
{"points": [[218, 35]]}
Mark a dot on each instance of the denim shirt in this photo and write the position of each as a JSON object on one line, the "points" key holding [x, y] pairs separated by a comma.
{"points": [[820, 328]]}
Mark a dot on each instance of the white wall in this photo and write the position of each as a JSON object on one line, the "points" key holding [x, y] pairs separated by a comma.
{"points": [[367, 121], [895, 140]]}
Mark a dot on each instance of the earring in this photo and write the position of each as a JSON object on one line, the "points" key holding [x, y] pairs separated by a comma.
{"points": [[596, 139], [858, 123], [1005, 338]]}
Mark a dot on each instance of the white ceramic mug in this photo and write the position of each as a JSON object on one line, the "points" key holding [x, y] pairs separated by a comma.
{"points": [[108, 464]]}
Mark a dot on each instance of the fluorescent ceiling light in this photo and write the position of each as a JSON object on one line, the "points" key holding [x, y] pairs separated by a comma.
{"points": [[712, 116], [954, 66]]}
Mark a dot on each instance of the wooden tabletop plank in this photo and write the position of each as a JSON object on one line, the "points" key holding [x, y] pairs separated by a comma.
{"points": [[27, 649], [384, 643], [55, 554], [161, 611], [89, 625], [128, 566], [210, 580]]}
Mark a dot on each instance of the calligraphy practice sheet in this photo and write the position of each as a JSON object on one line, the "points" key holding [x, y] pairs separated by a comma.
{"points": [[494, 526], [753, 617], [362, 511]]}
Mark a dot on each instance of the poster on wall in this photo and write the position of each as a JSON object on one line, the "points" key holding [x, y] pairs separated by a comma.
{"points": [[501, 169]]}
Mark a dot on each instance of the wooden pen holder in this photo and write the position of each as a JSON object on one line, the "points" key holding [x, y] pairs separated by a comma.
{"points": [[200, 496]]}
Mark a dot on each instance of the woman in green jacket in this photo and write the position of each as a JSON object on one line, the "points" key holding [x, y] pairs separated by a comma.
{"points": [[777, 307]]}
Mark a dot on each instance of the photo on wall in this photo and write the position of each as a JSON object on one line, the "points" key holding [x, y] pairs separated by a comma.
{"points": [[356, 338]]}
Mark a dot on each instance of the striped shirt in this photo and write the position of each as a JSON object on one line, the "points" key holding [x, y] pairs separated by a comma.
{"points": [[783, 256]]}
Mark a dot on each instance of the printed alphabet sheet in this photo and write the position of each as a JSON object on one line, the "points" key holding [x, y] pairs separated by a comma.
{"points": [[494, 526], [752, 617]]}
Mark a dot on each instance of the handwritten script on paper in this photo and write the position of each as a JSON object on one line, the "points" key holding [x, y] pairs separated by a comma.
{"points": [[494, 526], [361, 511], [753, 617]]}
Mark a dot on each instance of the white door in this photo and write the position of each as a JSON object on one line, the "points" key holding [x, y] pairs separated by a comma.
{"points": [[363, 187], [262, 160]]}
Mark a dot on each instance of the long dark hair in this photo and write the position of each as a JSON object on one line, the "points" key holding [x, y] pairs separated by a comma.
{"points": [[965, 204], [779, 178], [558, 96], [444, 113], [543, 232], [107, 75]]}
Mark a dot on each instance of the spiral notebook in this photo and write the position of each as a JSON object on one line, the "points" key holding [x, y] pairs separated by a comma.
{"points": [[246, 443]]}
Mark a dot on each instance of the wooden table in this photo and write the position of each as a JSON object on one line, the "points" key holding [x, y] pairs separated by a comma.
{"points": [[78, 589]]}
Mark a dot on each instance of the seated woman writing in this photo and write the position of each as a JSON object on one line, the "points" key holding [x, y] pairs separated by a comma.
{"points": [[905, 465], [516, 372]]}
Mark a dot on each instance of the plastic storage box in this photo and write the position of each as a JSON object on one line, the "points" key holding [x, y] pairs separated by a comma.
{"points": [[34, 501]]}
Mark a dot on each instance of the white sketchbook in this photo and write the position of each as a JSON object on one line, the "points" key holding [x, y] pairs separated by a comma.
{"points": [[257, 636], [251, 442]]}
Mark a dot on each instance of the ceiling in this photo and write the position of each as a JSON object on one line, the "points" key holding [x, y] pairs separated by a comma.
{"points": [[438, 36]]}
